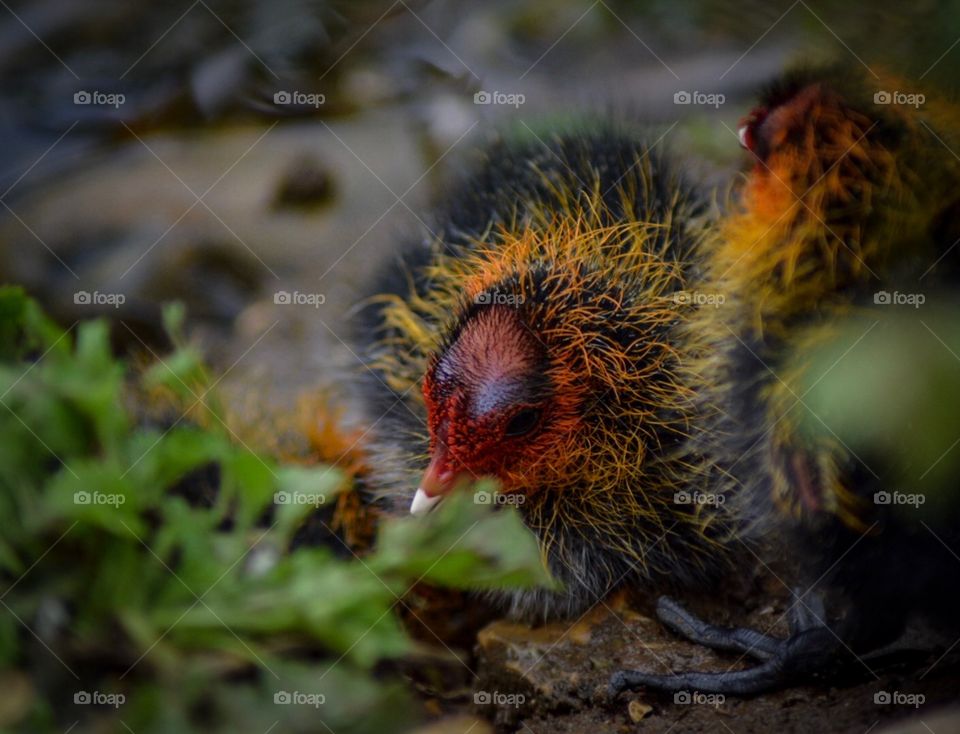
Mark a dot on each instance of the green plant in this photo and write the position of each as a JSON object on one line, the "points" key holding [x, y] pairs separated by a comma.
{"points": [[117, 582]]}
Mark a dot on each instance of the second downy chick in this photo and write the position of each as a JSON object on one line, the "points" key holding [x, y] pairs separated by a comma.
{"points": [[850, 199]]}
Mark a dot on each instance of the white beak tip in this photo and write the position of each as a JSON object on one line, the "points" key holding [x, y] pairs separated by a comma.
{"points": [[423, 503], [742, 135]]}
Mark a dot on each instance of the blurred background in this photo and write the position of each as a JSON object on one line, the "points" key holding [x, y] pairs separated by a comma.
{"points": [[227, 152], [258, 160]]}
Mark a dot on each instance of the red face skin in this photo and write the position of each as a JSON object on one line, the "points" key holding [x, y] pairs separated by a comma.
{"points": [[488, 407]]}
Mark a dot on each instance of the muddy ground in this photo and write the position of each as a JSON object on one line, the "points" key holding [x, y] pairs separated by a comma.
{"points": [[562, 672]]}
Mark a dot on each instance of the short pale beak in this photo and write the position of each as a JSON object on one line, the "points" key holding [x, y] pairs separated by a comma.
{"points": [[423, 503], [433, 487]]}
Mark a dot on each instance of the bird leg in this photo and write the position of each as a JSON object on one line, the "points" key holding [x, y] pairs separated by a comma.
{"points": [[810, 647]]}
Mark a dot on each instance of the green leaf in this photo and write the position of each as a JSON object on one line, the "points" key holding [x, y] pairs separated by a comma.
{"points": [[174, 317], [300, 491], [182, 372], [464, 544], [24, 328]]}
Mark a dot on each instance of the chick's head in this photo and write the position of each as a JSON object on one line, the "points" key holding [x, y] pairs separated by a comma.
{"points": [[496, 407]]}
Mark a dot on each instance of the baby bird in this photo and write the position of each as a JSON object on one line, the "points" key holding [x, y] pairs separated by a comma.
{"points": [[532, 337], [850, 198], [578, 328]]}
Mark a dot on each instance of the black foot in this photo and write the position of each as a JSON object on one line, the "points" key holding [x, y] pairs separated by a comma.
{"points": [[810, 647]]}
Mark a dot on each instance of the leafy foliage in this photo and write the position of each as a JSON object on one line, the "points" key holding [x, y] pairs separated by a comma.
{"points": [[119, 581]]}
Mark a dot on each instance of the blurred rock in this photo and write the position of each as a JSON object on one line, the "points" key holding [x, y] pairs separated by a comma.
{"points": [[305, 184], [129, 224], [638, 710], [560, 667]]}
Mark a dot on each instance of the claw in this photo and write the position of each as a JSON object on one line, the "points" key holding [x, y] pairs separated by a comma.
{"points": [[783, 662]]}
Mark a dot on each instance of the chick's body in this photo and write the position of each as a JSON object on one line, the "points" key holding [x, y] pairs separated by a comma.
{"points": [[532, 337], [848, 200], [576, 329]]}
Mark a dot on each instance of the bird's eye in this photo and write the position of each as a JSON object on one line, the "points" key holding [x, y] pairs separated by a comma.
{"points": [[523, 422], [749, 130]]}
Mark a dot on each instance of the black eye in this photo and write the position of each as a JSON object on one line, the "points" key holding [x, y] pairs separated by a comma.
{"points": [[523, 422]]}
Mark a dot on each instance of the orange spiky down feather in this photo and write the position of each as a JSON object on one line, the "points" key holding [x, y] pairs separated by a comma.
{"points": [[847, 198], [567, 295], [576, 256], [844, 191]]}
